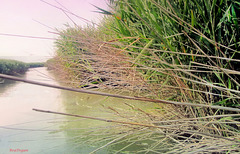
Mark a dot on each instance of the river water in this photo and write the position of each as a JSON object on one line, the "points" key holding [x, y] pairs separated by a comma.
{"points": [[25, 130]]}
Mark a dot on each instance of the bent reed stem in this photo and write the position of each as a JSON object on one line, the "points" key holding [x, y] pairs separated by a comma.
{"points": [[136, 124], [117, 96]]}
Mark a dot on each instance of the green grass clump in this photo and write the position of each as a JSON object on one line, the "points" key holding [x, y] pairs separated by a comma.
{"points": [[12, 67], [193, 44]]}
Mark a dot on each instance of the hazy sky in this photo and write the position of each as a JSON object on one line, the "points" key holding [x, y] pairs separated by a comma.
{"points": [[19, 17]]}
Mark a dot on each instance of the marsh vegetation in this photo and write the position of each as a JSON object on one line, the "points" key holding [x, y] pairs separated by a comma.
{"points": [[14, 67], [177, 51]]}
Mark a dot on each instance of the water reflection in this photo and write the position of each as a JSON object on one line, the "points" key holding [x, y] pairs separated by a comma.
{"points": [[87, 135], [6, 84]]}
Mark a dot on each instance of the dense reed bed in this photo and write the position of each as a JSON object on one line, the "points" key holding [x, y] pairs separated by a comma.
{"points": [[183, 51]]}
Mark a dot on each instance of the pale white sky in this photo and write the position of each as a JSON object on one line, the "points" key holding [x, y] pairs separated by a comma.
{"points": [[19, 17]]}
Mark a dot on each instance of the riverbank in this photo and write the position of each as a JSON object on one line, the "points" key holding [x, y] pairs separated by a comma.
{"points": [[14, 67], [195, 125]]}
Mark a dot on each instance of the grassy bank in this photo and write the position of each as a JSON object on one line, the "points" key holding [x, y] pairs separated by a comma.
{"points": [[36, 64], [183, 51], [14, 67]]}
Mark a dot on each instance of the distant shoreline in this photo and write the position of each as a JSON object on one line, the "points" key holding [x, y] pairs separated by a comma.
{"points": [[28, 59]]}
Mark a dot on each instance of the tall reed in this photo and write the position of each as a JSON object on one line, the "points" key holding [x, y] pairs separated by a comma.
{"points": [[192, 45]]}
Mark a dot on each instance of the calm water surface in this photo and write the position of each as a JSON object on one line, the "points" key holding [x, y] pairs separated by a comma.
{"points": [[21, 128]]}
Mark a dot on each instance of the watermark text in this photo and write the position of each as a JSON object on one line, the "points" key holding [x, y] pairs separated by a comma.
{"points": [[18, 150]]}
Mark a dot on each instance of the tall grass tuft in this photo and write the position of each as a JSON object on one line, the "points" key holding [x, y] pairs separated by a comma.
{"points": [[192, 45]]}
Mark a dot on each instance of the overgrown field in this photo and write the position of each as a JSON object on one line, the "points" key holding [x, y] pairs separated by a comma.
{"points": [[179, 50]]}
